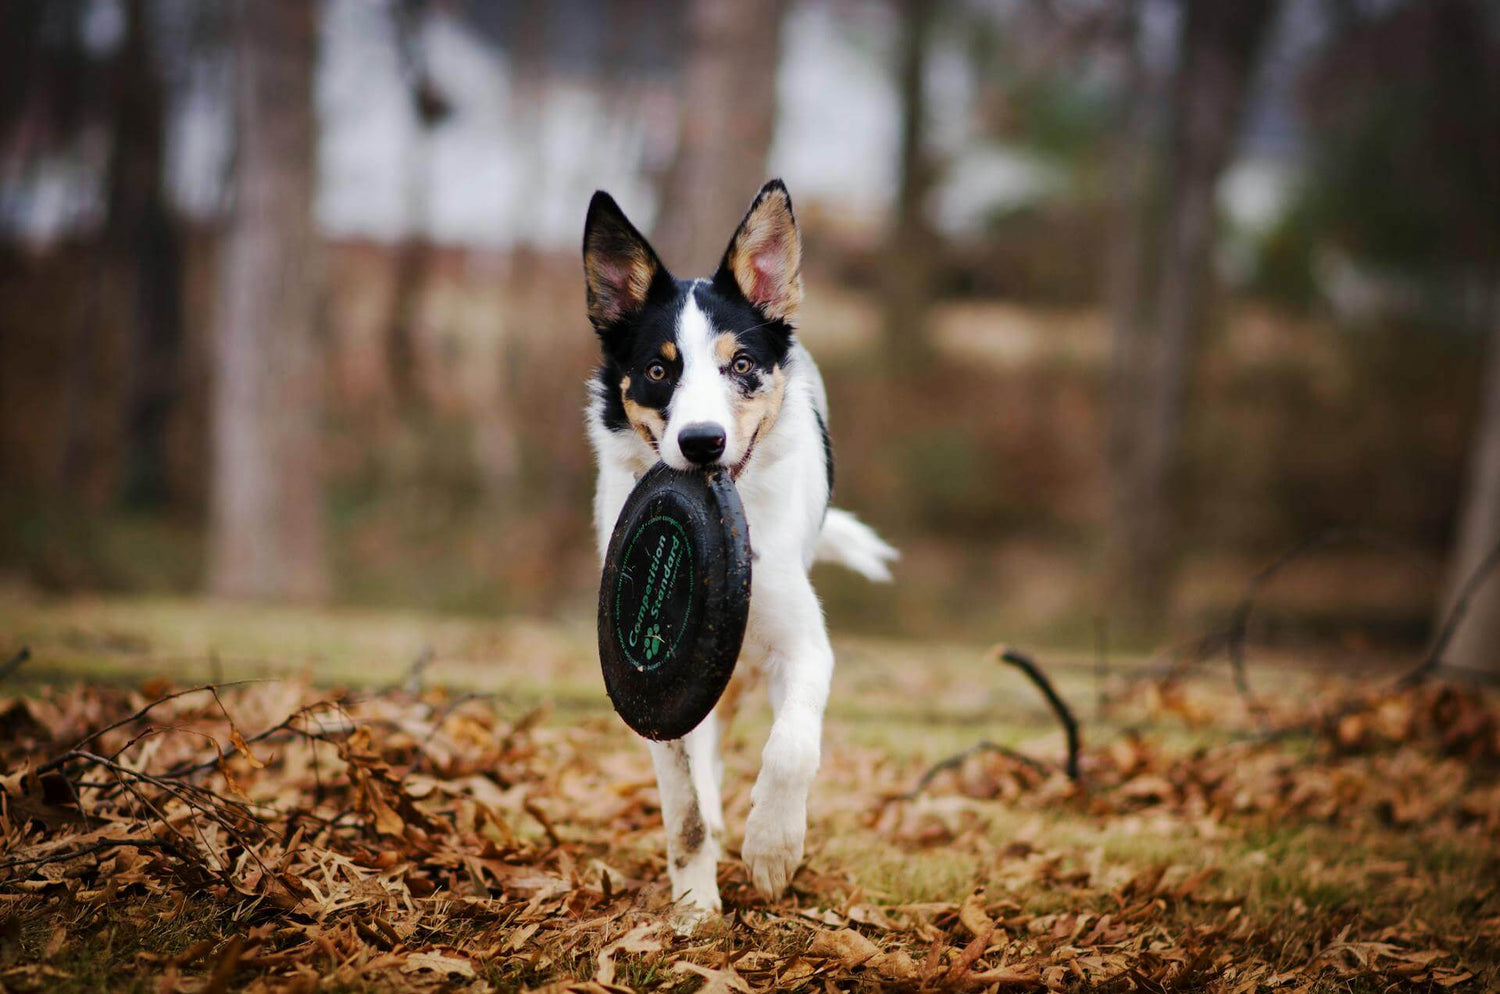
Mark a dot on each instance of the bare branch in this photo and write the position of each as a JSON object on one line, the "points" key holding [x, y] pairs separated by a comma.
{"points": [[957, 759], [1433, 660], [74, 750], [1239, 625], [15, 662], [1026, 665]]}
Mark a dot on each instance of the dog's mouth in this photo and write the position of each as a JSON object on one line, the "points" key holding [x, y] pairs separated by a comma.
{"points": [[739, 467]]}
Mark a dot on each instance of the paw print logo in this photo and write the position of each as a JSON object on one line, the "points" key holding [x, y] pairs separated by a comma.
{"points": [[654, 642]]}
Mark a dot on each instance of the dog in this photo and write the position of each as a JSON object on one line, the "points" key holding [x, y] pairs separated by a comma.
{"points": [[709, 372]]}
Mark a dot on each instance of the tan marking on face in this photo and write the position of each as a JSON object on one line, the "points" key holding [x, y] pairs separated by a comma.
{"points": [[725, 346], [647, 421], [669, 351], [755, 415]]}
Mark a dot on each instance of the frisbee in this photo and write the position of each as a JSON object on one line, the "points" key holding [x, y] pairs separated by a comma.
{"points": [[674, 599]]}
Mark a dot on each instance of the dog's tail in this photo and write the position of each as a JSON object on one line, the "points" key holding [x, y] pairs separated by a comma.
{"points": [[853, 544]]}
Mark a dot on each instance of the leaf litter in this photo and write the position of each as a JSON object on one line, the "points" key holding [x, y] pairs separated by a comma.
{"points": [[271, 836]]}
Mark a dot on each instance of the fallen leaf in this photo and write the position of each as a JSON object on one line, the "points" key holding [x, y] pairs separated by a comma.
{"points": [[846, 945], [442, 964], [640, 939], [714, 981]]}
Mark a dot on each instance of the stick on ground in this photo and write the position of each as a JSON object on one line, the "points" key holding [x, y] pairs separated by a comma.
{"points": [[1026, 665]]}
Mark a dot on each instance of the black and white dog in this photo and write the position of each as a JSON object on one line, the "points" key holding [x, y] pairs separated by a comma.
{"points": [[710, 372]]}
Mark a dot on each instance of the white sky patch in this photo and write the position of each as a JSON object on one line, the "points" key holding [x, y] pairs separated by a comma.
{"points": [[838, 115], [990, 178], [1255, 193], [366, 120], [515, 162]]}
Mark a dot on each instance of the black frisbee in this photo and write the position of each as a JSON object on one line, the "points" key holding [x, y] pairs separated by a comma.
{"points": [[674, 599]]}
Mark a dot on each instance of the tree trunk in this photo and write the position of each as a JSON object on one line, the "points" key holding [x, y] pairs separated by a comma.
{"points": [[143, 256], [909, 250], [725, 128], [1476, 644], [1129, 168], [1219, 42], [266, 524]]}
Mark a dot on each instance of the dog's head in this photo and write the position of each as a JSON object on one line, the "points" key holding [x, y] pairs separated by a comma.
{"points": [[697, 368]]}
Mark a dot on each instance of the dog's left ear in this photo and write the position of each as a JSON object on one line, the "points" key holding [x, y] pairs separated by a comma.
{"points": [[764, 258]]}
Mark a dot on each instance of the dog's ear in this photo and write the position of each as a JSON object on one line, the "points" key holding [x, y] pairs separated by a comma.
{"points": [[764, 258], [620, 269]]}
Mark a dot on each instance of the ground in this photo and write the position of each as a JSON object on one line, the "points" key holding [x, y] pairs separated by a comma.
{"points": [[401, 802]]}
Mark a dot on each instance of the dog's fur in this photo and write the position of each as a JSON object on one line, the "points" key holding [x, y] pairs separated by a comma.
{"points": [[723, 352]]}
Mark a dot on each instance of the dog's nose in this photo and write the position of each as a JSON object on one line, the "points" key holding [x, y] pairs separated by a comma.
{"points": [[701, 442]]}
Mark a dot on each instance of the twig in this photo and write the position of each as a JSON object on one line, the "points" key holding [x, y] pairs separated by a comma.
{"points": [[531, 808], [411, 682], [74, 749], [1026, 665], [104, 846], [285, 725], [1101, 666], [957, 759], [1239, 625], [15, 662], [1456, 614]]}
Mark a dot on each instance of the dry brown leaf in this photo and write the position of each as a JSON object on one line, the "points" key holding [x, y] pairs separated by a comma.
{"points": [[443, 964], [973, 917], [723, 981], [897, 965], [55, 942], [243, 748], [845, 945], [641, 939]]}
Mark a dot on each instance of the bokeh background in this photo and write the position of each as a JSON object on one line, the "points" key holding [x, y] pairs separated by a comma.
{"points": [[1116, 301]]}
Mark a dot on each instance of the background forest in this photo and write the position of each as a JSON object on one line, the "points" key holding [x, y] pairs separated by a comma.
{"points": [[1160, 335], [1116, 301]]}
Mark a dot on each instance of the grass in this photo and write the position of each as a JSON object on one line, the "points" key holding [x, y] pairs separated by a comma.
{"points": [[909, 704]]}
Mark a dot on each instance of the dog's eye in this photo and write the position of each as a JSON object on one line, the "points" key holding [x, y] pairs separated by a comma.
{"points": [[656, 371], [743, 364]]}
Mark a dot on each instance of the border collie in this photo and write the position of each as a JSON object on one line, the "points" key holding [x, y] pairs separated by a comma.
{"points": [[709, 372]]}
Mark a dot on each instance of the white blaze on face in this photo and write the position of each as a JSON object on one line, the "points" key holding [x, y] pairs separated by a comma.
{"points": [[704, 394]]}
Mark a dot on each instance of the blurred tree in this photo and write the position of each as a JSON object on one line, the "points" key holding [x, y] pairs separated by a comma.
{"points": [[266, 506], [1155, 338], [1128, 163], [1405, 180], [142, 254], [909, 249], [1476, 645], [431, 108], [725, 126]]}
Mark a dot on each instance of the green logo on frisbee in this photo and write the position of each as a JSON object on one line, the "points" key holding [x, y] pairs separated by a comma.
{"points": [[653, 596]]}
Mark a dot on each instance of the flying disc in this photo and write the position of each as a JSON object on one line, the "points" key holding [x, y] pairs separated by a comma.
{"points": [[674, 599]]}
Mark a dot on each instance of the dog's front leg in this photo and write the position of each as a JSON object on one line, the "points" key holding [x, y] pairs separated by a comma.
{"points": [[799, 666], [687, 777]]}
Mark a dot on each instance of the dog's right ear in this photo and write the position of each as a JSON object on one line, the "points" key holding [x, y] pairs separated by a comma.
{"points": [[620, 268]]}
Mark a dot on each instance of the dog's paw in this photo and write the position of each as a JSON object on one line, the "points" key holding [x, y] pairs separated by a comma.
{"points": [[688, 913], [772, 851], [695, 890]]}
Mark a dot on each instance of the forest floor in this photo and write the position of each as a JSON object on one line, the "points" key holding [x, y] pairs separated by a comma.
{"points": [[403, 802]]}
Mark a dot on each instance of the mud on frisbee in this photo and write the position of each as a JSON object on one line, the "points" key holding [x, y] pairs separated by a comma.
{"points": [[674, 599]]}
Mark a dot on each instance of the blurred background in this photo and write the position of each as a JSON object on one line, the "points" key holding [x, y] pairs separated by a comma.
{"points": [[1116, 301]]}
